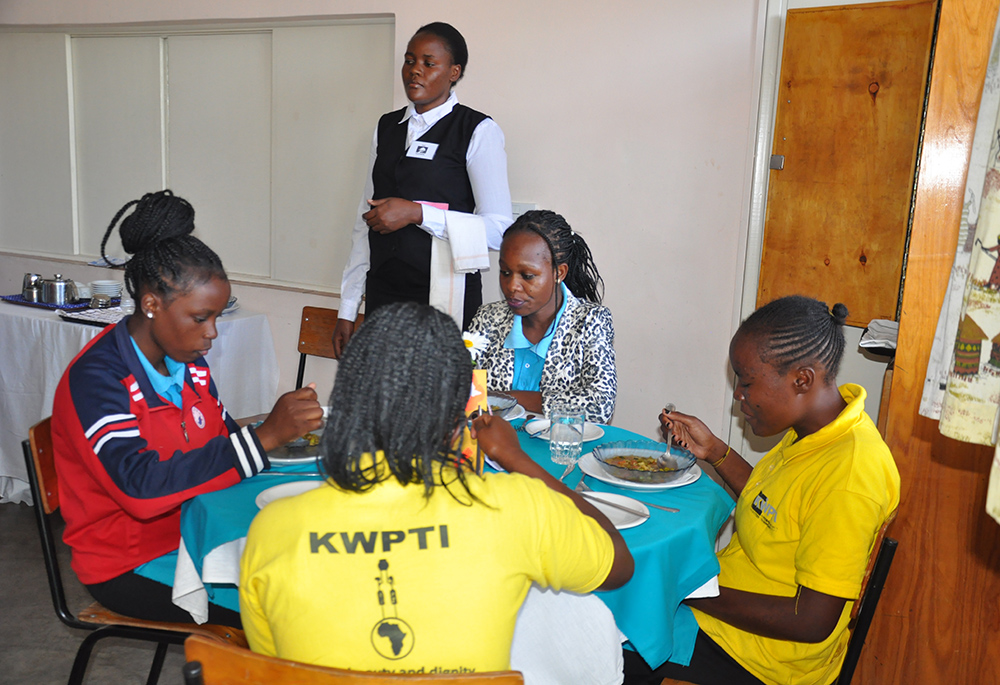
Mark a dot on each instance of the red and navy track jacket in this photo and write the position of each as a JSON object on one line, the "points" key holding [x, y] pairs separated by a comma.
{"points": [[127, 458]]}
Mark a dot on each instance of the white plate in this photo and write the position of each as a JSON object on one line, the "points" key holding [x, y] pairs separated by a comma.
{"points": [[296, 487], [515, 412], [620, 519], [308, 455], [590, 466], [539, 428]]}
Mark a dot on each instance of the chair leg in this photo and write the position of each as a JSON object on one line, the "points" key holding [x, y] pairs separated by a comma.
{"points": [[83, 658], [157, 665]]}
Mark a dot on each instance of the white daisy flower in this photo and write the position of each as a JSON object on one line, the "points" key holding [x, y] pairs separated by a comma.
{"points": [[476, 344]]}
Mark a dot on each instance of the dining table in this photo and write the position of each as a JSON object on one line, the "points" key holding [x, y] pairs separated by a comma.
{"points": [[38, 345], [559, 636]]}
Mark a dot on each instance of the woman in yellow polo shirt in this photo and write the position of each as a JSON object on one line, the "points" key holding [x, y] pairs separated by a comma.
{"points": [[807, 513]]}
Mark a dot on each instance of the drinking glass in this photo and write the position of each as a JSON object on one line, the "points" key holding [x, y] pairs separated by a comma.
{"points": [[565, 434]]}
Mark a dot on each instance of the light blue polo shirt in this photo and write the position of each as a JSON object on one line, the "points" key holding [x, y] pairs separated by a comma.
{"points": [[167, 387], [529, 358]]}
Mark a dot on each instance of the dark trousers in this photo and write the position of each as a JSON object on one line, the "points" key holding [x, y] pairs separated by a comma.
{"points": [[710, 665], [398, 281], [133, 595]]}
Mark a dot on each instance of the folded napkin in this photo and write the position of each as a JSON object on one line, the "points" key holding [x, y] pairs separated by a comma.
{"points": [[464, 252], [880, 333]]}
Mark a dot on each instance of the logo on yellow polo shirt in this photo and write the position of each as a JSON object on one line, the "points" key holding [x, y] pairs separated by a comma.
{"points": [[392, 637], [767, 513]]}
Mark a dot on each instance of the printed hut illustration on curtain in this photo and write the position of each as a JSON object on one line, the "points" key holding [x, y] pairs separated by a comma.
{"points": [[972, 394]]}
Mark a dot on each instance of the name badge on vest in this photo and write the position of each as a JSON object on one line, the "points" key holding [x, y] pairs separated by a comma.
{"points": [[421, 150]]}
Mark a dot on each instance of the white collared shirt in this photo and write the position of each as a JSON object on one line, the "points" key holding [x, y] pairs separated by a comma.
{"points": [[486, 164]]}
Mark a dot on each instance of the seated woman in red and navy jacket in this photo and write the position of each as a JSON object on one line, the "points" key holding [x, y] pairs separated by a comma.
{"points": [[138, 427]]}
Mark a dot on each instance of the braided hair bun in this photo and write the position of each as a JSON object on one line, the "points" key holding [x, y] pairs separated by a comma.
{"points": [[839, 313], [166, 257], [799, 330]]}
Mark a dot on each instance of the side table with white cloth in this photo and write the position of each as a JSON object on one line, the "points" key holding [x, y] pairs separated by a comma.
{"points": [[560, 637], [38, 346]]}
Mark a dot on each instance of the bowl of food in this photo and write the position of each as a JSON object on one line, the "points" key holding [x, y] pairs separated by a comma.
{"points": [[499, 402], [644, 461]]}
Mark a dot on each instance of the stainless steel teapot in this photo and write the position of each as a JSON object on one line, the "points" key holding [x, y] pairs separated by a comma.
{"points": [[58, 290]]}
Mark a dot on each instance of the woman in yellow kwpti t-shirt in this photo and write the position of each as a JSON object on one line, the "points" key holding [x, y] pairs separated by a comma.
{"points": [[406, 560], [807, 513]]}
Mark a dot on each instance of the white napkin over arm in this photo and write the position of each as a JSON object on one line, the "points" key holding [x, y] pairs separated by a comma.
{"points": [[465, 251]]}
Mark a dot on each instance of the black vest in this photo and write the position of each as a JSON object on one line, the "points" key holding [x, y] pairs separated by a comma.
{"points": [[441, 179]]}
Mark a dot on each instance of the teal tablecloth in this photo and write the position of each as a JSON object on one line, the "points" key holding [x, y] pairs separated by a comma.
{"points": [[674, 552]]}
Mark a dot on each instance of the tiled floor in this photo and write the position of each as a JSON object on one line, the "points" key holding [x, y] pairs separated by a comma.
{"points": [[35, 647]]}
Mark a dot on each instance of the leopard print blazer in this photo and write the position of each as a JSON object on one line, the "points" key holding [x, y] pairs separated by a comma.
{"points": [[579, 367]]}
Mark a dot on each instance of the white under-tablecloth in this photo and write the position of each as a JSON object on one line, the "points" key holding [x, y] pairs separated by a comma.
{"points": [[36, 346]]}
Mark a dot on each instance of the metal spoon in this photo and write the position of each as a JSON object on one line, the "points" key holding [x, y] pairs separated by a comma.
{"points": [[662, 461]]}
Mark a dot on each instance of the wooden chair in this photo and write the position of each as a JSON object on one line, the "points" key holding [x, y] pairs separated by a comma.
{"points": [[316, 336], [213, 663], [883, 551], [101, 621]]}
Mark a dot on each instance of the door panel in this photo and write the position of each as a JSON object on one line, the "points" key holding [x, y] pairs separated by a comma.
{"points": [[850, 103]]}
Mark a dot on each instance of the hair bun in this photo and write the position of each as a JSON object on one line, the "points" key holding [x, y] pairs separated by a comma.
{"points": [[157, 217], [839, 313]]}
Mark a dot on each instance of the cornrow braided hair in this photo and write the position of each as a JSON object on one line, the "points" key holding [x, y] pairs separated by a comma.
{"points": [[566, 246], [799, 330], [166, 257], [401, 388]]}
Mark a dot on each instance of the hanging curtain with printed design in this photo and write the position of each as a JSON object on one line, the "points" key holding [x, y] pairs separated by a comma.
{"points": [[962, 387]]}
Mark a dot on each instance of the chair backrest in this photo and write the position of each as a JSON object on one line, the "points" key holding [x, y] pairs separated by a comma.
{"points": [[44, 483], [864, 608], [869, 570], [316, 336], [222, 664], [40, 439]]}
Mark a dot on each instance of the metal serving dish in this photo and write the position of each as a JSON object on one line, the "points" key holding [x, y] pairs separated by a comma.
{"points": [[674, 465]]}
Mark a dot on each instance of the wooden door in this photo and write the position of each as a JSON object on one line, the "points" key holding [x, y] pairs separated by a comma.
{"points": [[850, 103]]}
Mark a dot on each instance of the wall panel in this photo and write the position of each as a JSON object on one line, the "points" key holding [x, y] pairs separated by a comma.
{"points": [[219, 141], [36, 209]]}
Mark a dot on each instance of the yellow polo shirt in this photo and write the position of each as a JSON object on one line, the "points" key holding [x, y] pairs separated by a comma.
{"points": [[387, 580], [808, 516]]}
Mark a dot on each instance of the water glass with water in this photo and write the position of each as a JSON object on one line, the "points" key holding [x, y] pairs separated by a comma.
{"points": [[565, 434]]}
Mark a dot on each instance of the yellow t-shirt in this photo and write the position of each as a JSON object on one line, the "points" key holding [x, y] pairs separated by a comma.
{"points": [[807, 516], [387, 580]]}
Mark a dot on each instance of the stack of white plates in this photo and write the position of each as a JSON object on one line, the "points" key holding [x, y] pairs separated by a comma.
{"points": [[109, 288]]}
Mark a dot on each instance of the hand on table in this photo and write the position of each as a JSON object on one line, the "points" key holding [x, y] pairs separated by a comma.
{"points": [[295, 414], [391, 214], [342, 333]]}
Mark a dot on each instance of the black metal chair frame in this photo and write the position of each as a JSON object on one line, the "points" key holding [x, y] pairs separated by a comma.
{"points": [[869, 602], [163, 638]]}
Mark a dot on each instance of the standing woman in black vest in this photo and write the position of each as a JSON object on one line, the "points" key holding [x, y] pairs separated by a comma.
{"points": [[438, 170]]}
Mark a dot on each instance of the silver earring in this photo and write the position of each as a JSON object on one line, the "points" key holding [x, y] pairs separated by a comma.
{"points": [[149, 315]]}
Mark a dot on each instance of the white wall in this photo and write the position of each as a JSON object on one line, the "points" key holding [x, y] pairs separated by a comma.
{"points": [[635, 120]]}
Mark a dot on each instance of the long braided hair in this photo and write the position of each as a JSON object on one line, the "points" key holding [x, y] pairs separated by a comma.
{"points": [[166, 257], [401, 388], [799, 330], [566, 246]]}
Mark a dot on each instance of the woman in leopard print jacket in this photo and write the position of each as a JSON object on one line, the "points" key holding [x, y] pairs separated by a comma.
{"points": [[550, 341]]}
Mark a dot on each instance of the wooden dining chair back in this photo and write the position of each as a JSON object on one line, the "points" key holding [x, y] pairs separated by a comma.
{"points": [[879, 562], [863, 611], [316, 336], [102, 622], [214, 663]]}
